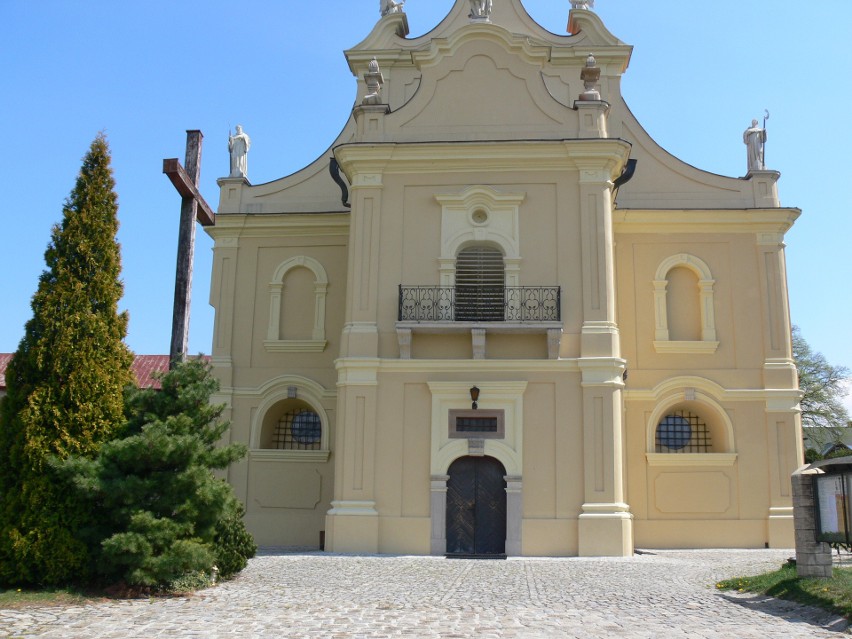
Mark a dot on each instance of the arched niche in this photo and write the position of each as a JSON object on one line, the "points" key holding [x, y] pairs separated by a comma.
{"points": [[699, 401], [280, 396], [706, 301], [317, 342]]}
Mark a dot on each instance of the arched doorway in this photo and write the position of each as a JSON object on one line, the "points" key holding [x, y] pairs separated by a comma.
{"points": [[476, 507]]}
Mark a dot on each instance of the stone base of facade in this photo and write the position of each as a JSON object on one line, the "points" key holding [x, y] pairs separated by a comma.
{"points": [[605, 534], [781, 528], [352, 526]]}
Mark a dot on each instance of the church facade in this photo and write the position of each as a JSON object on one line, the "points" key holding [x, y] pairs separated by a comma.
{"points": [[496, 318]]}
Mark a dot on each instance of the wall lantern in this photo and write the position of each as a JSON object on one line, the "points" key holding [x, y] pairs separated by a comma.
{"points": [[474, 397]]}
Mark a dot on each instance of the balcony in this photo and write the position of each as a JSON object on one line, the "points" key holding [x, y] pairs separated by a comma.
{"points": [[480, 310], [513, 304]]}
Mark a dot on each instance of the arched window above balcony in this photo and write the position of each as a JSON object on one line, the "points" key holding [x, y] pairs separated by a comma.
{"points": [[480, 284]]}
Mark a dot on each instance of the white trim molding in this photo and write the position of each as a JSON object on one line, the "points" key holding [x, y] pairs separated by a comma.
{"points": [[691, 460], [480, 215], [506, 396], [279, 455]]}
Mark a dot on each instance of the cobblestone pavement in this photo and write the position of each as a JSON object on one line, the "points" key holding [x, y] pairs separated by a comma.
{"points": [[662, 594]]}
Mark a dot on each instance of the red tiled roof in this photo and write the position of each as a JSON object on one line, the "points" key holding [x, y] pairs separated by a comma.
{"points": [[143, 368], [145, 365]]}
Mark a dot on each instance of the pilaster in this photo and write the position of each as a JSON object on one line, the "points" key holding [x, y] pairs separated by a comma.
{"points": [[605, 523], [370, 122], [231, 190], [772, 268], [783, 421], [438, 514], [222, 295], [765, 185], [784, 455], [593, 119], [514, 514], [352, 523], [360, 331], [599, 332]]}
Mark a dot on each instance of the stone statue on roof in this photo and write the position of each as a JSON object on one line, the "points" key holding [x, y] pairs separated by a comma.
{"points": [[391, 6], [374, 81], [755, 138], [480, 9], [582, 4], [239, 145], [590, 75]]}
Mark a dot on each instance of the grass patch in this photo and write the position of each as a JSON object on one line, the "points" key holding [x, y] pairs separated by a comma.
{"points": [[23, 598], [17, 598], [833, 594]]}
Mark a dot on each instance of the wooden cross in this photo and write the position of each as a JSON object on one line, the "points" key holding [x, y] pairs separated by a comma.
{"points": [[192, 208]]}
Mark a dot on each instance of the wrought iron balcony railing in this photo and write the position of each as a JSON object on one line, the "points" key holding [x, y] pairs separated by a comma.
{"points": [[480, 304]]}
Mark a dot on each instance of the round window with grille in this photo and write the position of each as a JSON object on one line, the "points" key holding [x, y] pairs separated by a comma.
{"points": [[299, 429], [682, 432], [674, 432]]}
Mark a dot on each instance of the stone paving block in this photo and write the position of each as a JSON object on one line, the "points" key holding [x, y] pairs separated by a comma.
{"points": [[663, 594]]}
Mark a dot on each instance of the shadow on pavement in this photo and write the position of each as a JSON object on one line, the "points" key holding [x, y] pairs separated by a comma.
{"points": [[791, 611]]}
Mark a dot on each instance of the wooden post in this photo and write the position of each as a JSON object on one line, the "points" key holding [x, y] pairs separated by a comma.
{"points": [[192, 207]]}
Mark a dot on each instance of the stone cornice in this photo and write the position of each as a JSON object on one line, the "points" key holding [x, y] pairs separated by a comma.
{"points": [[462, 365], [778, 220], [525, 155], [295, 225], [691, 460]]}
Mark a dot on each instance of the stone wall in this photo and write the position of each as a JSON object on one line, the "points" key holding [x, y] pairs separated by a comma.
{"points": [[813, 558]]}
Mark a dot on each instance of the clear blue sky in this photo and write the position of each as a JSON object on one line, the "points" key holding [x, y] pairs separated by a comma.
{"points": [[146, 72]]}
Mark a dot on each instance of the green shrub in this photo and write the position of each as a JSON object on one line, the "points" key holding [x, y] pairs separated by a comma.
{"points": [[159, 502], [190, 582], [812, 455], [232, 543]]}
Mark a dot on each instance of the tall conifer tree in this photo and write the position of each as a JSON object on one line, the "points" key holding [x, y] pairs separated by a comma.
{"points": [[65, 383]]}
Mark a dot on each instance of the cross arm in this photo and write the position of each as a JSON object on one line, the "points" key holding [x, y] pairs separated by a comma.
{"points": [[184, 185]]}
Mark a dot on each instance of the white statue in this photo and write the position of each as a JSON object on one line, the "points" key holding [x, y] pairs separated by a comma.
{"points": [[391, 6], [754, 138], [480, 9], [239, 146], [582, 4]]}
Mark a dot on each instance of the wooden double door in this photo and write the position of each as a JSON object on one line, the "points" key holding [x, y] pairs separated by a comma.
{"points": [[476, 507]]}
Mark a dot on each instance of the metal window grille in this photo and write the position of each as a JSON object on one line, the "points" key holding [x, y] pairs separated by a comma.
{"points": [[480, 282], [299, 429], [477, 425], [683, 432]]}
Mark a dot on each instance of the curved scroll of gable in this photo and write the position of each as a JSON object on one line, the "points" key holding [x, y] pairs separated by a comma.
{"points": [[485, 83], [317, 342], [707, 313]]}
